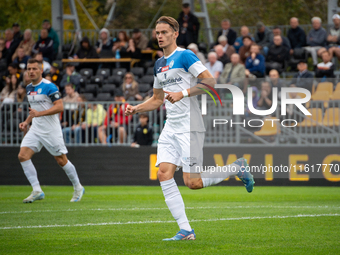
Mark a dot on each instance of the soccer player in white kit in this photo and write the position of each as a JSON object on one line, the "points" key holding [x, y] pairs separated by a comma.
{"points": [[45, 104], [183, 135]]}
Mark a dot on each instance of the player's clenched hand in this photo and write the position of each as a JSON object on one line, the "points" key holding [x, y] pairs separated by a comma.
{"points": [[130, 110], [23, 126], [34, 113], [173, 97]]}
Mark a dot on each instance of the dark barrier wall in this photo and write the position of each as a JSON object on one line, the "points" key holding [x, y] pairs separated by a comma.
{"points": [[132, 166]]}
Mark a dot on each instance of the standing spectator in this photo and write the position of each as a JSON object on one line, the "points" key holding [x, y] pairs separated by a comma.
{"points": [[130, 87], [21, 59], [105, 43], [44, 45], [8, 93], [20, 99], [245, 49], [234, 72], [325, 69], [3, 50], [275, 81], [263, 36], [53, 35], [333, 38], [227, 48], [27, 43], [227, 32], [140, 40], [239, 40], [71, 97], [304, 78], [143, 134], [277, 55], [255, 63], [70, 76], [189, 26], [316, 39], [214, 66], [16, 32], [55, 73], [193, 47], [221, 55], [296, 35], [285, 41], [11, 44], [95, 116], [265, 101], [45, 64]]}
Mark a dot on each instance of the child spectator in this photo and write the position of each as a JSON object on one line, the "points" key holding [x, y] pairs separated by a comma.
{"points": [[143, 134]]}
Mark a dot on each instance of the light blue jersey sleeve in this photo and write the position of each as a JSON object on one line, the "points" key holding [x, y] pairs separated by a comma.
{"points": [[53, 92], [191, 63]]}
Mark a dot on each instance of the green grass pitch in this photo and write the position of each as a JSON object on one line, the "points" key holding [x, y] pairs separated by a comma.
{"points": [[134, 220]]}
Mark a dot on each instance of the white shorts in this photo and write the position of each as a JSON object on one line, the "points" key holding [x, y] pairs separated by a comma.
{"points": [[181, 149], [54, 144]]}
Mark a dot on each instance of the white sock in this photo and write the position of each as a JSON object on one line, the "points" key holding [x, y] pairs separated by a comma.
{"points": [[175, 203], [212, 178], [31, 174], [71, 172]]}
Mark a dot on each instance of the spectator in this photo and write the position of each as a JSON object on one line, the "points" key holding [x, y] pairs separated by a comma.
{"points": [[3, 50], [140, 40], [8, 93], [105, 43], [239, 40], [304, 78], [255, 97], [16, 32], [95, 116], [333, 38], [130, 87], [71, 98], [325, 69], [296, 35], [115, 120], [285, 41], [153, 44], [265, 101], [189, 26], [53, 35], [277, 55], [26, 79], [13, 70], [143, 134], [290, 107], [21, 59], [121, 44], [316, 39], [45, 64], [234, 72], [227, 48], [44, 45], [275, 81], [227, 32], [245, 49], [86, 50], [27, 44], [193, 47], [21, 100], [55, 73], [255, 63], [11, 44], [263, 36], [70, 76], [221, 56], [214, 66]]}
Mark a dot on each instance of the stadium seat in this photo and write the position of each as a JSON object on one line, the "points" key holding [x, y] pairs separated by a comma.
{"points": [[82, 81], [321, 95], [109, 88], [88, 96], [337, 86], [119, 71], [115, 79], [105, 72], [97, 79], [144, 87], [331, 118], [103, 97], [314, 120], [91, 88], [87, 72], [137, 71], [325, 86], [149, 71], [269, 128], [336, 95], [147, 79]]}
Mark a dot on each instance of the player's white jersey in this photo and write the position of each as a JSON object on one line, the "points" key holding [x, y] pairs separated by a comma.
{"points": [[41, 98], [175, 73]]}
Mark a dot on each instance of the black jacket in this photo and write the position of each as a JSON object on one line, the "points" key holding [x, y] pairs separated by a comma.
{"points": [[143, 135], [45, 46], [232, 35], [297, 37], [277, 54], [86, 53], [303, 81], [190, 33]]}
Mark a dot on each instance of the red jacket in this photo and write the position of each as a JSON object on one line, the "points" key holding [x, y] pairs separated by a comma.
{"points": [[120, 118]]}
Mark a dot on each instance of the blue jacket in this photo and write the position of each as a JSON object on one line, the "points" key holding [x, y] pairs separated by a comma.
{"points": [[258, 64]]}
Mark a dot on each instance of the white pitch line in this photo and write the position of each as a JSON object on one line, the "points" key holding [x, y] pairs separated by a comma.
{"points": [[171, 221], [188, 208]]}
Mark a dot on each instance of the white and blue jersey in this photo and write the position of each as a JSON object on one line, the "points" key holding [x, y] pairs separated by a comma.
{"points": [[41, 98], [174, 73]]}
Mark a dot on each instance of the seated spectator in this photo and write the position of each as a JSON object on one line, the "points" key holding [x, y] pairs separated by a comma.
{"points": [[16, 32], [45, 64], [71, 98], [255, 63], [333, 38], [44, 45], [13, 69], [277, 55], [239, 40], [226, 31], [153, 45], [296, 35], [221, 55], [26, 79], [11, 44], [193, 47], [234, 72], [21, 59], [53, 35], [304, 78], [8, 93], [27, 44], [227, 48], [325, 69], [285, 41], [70, 76], [255, 99], [21, 100], [245, 49], [316, 39], [115, 121], [55, 73], [105, 43], [290, 107], [86, 50], [121, 44], [275, 81], [95, 116], [3, 50], [266, 97], [140, 40], [132, 51], [263, 36], [130, 87], [214, 66], [143, 134]]}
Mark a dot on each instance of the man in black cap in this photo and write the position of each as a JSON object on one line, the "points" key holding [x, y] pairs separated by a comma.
{"points": [[70, 76], [304, 78], [16, 32], [141, 41], [188, 26], [52, 34]]}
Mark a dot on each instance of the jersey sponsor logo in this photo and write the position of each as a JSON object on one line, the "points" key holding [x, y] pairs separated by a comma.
{"points": [[171, 64], [171, 81], [159, 69], [39, 91], [165, 68], [33, 93]]}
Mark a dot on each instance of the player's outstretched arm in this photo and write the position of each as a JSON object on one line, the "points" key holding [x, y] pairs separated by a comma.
{"points": [[56, 108], [151, 104]]}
